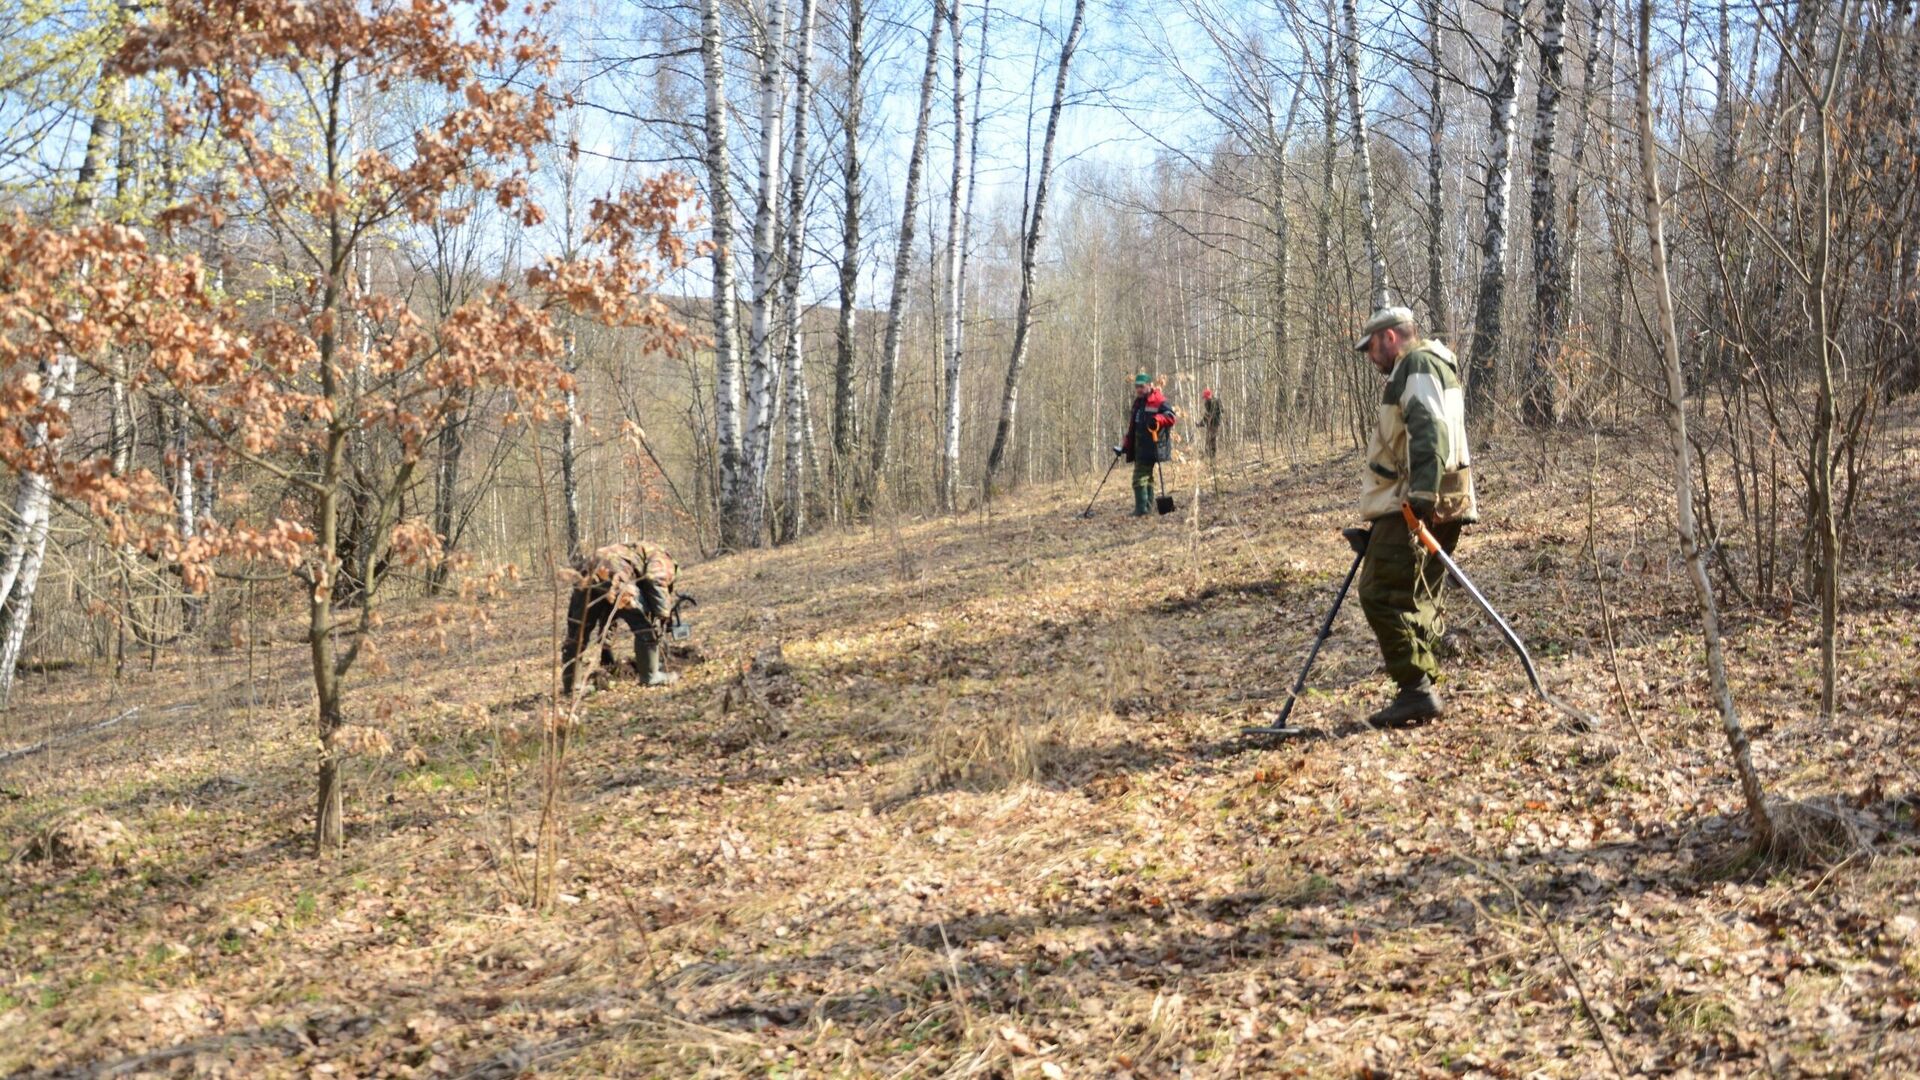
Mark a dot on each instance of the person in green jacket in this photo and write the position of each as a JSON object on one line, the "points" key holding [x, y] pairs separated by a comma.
{"points": [[1417, 455]]}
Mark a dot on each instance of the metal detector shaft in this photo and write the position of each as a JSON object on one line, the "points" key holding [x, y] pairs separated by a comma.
{"points": [[1419, 529], [1279, 725], [1101, 486]]}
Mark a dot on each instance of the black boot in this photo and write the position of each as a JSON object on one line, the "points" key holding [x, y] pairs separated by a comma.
{"points": [[1412, 706]]}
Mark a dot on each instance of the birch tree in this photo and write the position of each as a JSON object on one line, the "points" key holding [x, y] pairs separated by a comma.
{"points": [[58, 370], [732, 492], [120, 427], [1540, 404], [959, 221], [1439, 310], [1483, 358], [1322, 299], [794, 358], [767, 275], [1596, 74], [850, 182], [1286, 358], [1363, 158], [1030, 251], [903, 259]]}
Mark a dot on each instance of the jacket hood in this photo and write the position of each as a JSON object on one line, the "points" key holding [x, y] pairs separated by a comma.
{"points": [[1436, 349]]}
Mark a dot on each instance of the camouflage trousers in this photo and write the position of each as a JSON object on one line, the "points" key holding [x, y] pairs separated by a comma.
{"points": [[1400, 592]]}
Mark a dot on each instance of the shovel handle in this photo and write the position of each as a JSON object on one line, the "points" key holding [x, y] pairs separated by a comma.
{"points": [[1419, 528]]}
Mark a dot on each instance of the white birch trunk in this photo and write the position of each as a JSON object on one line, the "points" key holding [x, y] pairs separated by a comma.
{"points": [[1323, 298], [810, 441], [33, 499], [1594, 74], [120, 432], [793, 477], [1029, 251], [184, 500], [903, 260], [569, 456], [1439, 311], [1483, 359], [1357, 116], [849, 256], [767, 257], [33, 510], [1540, 404], [956, 283], [1286, 361], [794, 360], [726, 406]]}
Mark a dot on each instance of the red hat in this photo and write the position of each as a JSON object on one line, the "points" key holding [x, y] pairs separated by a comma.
{"points": [[1207, 393]]}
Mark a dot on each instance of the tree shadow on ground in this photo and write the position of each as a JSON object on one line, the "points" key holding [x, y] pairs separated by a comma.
{"points": [[1019, 963], [1231, 593]]}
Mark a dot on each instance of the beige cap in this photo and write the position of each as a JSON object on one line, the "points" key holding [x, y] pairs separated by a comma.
{"points": [[1385, 319]]}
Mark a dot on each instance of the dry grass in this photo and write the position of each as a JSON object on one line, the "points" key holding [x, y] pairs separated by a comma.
{"points": [[1818, 833], [1010, 747], [982, 812]]}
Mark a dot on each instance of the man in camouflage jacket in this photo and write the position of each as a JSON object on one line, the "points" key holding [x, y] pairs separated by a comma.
{"points": [[1417, 455], [630, 583], [1210, 422]]}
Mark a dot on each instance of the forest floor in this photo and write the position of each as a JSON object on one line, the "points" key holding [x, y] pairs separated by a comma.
{"points": [[965, 797]]}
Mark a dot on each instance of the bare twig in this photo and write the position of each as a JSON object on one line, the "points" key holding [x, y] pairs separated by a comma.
{"points": [[1545, 925]]}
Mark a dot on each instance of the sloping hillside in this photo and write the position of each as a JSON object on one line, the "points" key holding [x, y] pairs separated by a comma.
{"points": [[966, 797]]}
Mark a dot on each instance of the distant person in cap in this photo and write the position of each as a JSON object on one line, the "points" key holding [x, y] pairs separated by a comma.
{"points": [[1210, 423], [1149, 439], [1417, 455]]}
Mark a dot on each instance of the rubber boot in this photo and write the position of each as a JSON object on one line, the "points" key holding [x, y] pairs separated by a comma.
{"points": [[1412, 706], [1142, 500], [648, 656]]}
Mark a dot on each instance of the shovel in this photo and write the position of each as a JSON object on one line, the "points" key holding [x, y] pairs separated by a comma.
{"points": [[1162, 502], [1418, 528]]}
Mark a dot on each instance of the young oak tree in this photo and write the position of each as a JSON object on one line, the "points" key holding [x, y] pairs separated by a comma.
{"points": [[283, 389]]}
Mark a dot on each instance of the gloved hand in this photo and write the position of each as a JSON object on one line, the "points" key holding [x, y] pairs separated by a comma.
{"points": [[1117, 451], [1357, 539], [1423, 510]]}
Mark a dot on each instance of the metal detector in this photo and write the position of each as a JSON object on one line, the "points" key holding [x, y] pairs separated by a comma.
{"points": [[1101, 486], [1357, 539]]}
